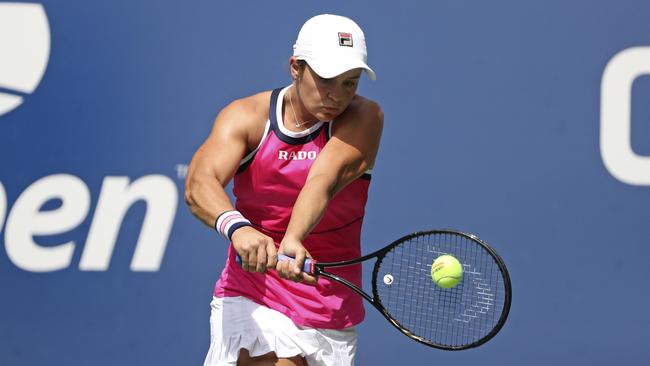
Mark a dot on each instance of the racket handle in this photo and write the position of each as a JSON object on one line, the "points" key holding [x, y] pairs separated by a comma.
{"points": [[307, 267]]}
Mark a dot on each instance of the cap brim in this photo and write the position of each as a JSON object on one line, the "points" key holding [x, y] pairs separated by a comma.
{"points": [[330, 68]]}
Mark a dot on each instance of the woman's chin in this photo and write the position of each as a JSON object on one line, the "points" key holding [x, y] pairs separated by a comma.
{"points": [[327, 115]]}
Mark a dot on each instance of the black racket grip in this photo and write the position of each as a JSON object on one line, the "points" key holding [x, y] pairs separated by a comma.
{"points": [[307, 267]]}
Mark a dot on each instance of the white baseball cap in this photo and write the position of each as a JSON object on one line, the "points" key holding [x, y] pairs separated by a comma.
{"points": [[332, 45]]}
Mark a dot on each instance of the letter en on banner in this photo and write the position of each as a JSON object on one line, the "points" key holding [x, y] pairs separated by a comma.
{"points": [[117, 196], [26, 220]]}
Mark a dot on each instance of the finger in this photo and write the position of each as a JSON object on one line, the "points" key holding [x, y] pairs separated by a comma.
{"points": [[309, 279], [243, 258], [288, 270], [271, 254], [296, 272], [261, 259], [250, 261], [244, 261], [298, 262], [281, 268]]}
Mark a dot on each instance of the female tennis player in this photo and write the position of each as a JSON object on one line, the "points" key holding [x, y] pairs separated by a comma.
{"points": [[300, 157]]}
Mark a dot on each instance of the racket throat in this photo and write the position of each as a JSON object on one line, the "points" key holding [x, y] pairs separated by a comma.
{"points": [[349, 284]]}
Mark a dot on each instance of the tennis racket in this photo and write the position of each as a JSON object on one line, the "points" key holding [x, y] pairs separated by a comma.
{"points": [[457, 318]]}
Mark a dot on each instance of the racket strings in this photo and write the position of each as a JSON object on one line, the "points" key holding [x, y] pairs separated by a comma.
{"points": [[448, 317]]}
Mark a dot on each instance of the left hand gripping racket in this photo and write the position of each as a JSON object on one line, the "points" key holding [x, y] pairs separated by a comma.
{"points": [[457, 318]]}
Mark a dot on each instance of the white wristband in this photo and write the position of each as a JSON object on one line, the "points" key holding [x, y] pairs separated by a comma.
{"points": [[230, 221]]}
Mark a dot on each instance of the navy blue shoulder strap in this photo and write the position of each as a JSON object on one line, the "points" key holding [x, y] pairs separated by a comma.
{"points": [[273, 118], [272, 121], [273, 109]]}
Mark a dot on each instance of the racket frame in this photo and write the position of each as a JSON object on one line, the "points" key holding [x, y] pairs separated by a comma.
{"points": [[319, 270]]}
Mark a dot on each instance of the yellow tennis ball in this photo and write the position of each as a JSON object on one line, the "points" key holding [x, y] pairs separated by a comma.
{"points": [[446, 271]]}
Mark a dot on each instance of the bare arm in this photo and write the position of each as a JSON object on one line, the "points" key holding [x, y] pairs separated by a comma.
{"points": [[213, 166], [348, 154]]}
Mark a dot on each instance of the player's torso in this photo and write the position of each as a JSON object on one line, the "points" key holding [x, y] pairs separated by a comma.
{"points": [[271, 177], [266, 187]]}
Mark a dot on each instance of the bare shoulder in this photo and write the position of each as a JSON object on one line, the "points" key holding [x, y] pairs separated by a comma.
{"points": [[362, 113], [364, 105], [246, 111], [354, 143], [244, 117]]}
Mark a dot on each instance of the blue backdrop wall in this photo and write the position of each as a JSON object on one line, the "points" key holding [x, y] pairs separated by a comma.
{"points": [[524, 122]]}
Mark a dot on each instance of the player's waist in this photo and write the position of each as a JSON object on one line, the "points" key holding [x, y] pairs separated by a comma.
{"points": [[326, 305]]}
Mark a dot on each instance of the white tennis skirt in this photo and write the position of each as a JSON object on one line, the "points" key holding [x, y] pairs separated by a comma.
{"points": [[238, 323]]}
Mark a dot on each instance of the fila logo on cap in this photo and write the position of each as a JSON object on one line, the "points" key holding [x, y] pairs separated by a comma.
{"points": [[345, 39]]}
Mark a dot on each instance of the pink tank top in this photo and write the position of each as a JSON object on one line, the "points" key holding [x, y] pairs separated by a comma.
{"points": [[266, 187]]}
